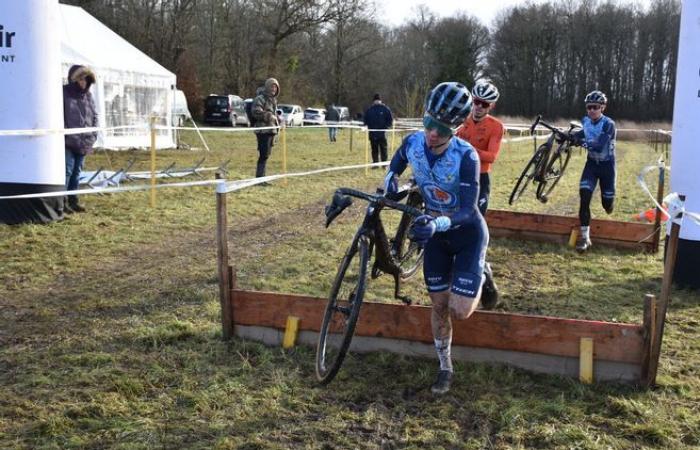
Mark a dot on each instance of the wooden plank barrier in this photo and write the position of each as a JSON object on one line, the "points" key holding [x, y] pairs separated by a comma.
{"points": [[538, 343], [551, 228]]}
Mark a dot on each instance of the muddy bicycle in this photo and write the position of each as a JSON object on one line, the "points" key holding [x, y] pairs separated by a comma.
{"points": [[547, 164], [399, 257]]}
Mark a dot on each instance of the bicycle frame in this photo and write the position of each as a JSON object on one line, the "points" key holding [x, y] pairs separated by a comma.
{"points": [[546, 166], [348, 288], [372, 228]]}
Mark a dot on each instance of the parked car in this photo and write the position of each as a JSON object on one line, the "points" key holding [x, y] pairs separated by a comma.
{"points": [[226, 109], [344, 113], [292, 115], [314, 116], [180, 111]]}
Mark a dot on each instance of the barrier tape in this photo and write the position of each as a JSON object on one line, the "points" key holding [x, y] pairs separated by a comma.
{"points": [[146, 128], [231, 186], [675, 214], [223, 186], [140, 187], [67, 131]]}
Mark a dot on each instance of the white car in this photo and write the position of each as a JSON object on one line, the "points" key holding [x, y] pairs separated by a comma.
{"points": [[292, 115], [314, 116]]}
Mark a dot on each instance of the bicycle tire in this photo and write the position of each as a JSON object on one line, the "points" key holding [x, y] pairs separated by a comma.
{"points": [[554, 171], [528, 174], [342, 318], [407, 252]]}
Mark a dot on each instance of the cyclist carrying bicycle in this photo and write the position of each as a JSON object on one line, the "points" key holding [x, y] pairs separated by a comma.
{"points": [[598, 136], [453, 231]]}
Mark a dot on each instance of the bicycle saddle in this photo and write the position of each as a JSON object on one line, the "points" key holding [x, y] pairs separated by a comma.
{"points": [[337, 206]]}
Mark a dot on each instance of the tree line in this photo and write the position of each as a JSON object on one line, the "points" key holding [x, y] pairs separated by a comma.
{"points": [[543, 57]]}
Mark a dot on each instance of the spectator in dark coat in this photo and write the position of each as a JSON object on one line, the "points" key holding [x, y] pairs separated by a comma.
{"points": [[378, 117], [265, 115], [332, 117], [79, 111]]}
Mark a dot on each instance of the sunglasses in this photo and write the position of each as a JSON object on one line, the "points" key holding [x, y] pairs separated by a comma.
{"points": [[431, 124], [593, 107], [482, 103]]}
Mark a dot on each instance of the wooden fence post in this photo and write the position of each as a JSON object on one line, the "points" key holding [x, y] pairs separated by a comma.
{"points": [[222, 264], [664, 298], [649, 325]]}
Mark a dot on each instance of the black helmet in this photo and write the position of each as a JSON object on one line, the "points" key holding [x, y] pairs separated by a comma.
{"points": [[596, 97], [449, 103]]}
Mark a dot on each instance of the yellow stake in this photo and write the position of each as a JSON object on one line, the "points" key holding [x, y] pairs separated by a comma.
{"points": [[153, 161], [586, 361], [572, 237], [290, 332], [367, 153], [393, 138], [284, 153]]}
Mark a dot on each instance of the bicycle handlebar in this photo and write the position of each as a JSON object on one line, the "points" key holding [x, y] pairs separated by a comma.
{"points": [[381, 200], [538, 121]]}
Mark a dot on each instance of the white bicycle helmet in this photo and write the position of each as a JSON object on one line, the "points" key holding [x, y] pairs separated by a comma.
{"points": [[486, 91], [449, 103], [596, 97]]}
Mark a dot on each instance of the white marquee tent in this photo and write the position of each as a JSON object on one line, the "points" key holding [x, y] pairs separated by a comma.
{"points": [[130, 85]]}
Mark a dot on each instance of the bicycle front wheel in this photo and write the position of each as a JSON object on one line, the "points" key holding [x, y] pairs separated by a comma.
{"points": [[554, 171], [342, 310], [408, 254], [528, 173]]}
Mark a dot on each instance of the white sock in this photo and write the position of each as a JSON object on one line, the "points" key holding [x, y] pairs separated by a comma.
{"points": [[443, 348], [586, 232]]}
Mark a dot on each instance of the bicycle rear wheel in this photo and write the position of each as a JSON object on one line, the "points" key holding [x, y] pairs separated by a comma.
{"points": [[408, 254], [554, 171], [528, 173], [342, 310]]}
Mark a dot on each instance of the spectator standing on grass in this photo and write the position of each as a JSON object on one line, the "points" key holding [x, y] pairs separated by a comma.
{"points": [[79, 111], [332, 118], [378, 118], [264, 111], [598, 137], [484, 132], [453, 231]]}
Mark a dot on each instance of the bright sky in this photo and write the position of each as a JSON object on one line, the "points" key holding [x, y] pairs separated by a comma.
{"points": [[395, 12]]}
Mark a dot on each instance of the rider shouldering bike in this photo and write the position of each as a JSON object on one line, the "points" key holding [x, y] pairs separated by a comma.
{"points": [[453, 230], [598, 136]]}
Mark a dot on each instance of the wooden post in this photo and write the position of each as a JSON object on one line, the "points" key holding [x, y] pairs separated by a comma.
{"points": [[153, 161], [657, 220], [222, 264], [649, 325], [664, 298]]}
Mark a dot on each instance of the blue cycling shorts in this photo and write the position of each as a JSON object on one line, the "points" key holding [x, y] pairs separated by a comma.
{"points": [[599, 170], [455, 259]]}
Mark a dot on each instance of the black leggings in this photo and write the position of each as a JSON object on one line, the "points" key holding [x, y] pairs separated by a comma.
{"points": [[265, 141], [584, 211]]}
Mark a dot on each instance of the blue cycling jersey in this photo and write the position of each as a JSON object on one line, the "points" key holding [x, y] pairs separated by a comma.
{"points": [[599, 137], [449, 182]]}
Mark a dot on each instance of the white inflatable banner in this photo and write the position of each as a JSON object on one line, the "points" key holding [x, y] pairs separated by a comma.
{"points": [[31, 96], [685, 160]]}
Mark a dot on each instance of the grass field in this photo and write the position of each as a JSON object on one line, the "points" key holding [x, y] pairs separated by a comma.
{"points": [[110, 333]]}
